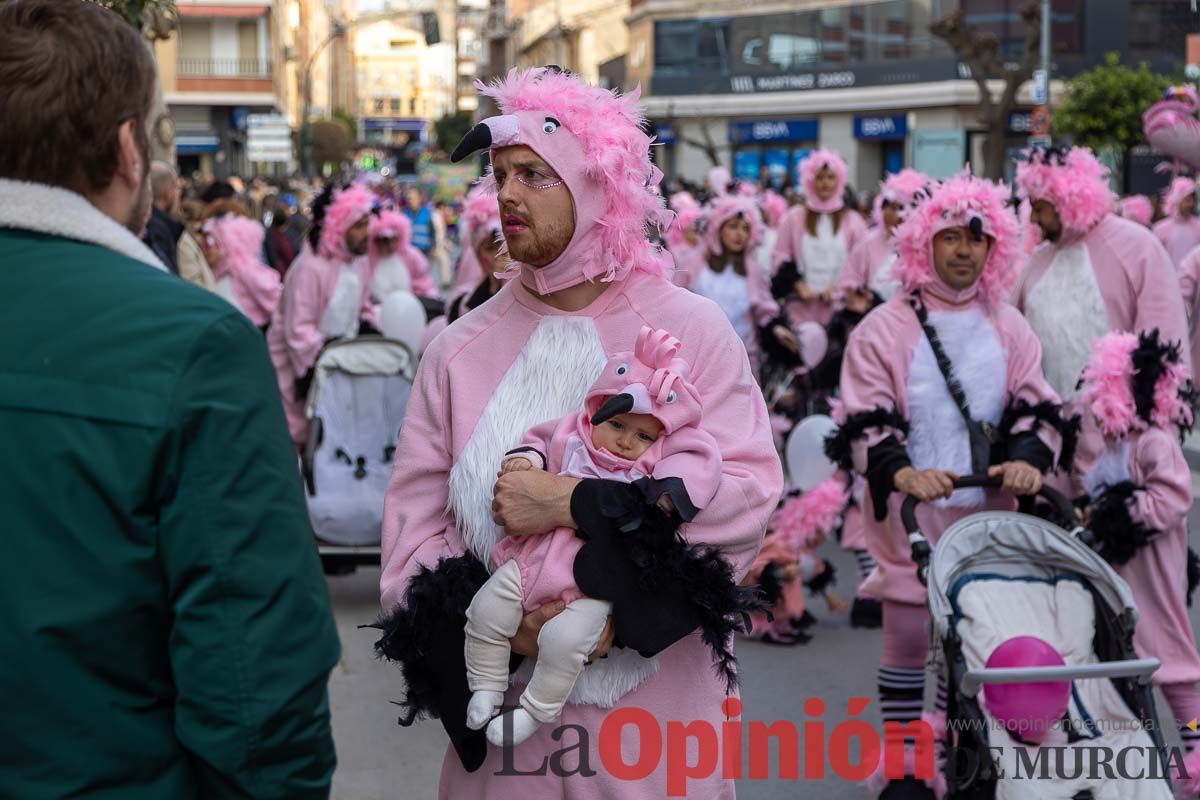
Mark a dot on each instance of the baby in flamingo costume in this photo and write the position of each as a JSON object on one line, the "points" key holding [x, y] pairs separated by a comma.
{"points": [[640, 424]]}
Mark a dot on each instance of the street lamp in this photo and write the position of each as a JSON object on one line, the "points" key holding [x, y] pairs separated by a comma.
{"points": [[336, 30]]}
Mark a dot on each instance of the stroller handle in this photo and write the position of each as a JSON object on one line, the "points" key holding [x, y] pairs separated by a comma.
{"points": [[1141, 668], [921, 551]]}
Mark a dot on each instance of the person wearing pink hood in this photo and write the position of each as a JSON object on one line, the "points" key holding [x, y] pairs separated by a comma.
{"points": [[867, 279], [232, 246], [1130, 470], [943, 380], [1179, 231], [815, 240], [571, 167], [324, 296], [1094, 271], [728, 270], [393, 264], [641, 425], [481, 224], [684, 241], [1137, 208], [1189, 286]]}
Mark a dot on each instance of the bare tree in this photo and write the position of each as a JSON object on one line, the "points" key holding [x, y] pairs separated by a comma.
{"points": [[981, 54]]}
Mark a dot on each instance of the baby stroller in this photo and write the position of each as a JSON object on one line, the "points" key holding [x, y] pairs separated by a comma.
{"points": [[996, 575], [355, 407]]}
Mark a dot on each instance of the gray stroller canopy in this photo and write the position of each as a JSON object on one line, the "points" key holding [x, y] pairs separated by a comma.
{"points": [[1015, 545]]}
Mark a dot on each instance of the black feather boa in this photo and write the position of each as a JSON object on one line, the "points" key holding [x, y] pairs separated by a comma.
{"points": [[1117, 536], [425, 636], [1193, 574], [820, 583], [839, 444], [783, 282], [1044, 414], [662, 587]]}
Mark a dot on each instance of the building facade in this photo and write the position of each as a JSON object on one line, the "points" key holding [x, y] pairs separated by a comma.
{"points": [[404, 84], [759, 86]]}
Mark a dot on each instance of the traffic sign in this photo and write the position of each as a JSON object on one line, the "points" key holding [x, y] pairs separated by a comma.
{"points": [[1041, 94], [1039, 121]]}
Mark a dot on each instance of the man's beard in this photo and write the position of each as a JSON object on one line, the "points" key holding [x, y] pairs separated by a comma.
{"points": [[140, 213]]}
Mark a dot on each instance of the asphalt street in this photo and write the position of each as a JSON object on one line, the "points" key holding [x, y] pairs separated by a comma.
{"points": [[378, 760]]}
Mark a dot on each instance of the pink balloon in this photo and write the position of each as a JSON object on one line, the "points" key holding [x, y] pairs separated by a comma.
{"points": [[1028, 710]]}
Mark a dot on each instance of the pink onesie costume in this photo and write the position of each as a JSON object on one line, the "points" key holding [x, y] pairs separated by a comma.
{"points": [[1189, 287], [324, 296], [820, 259], [683, 463], [871, 261], [517, 361], [242, 277], [899, 411], [1104, 273], [1139, 488], [1178, 233]]}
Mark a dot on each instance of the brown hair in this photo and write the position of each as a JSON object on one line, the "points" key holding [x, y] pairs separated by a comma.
{"points": [[737, 260], [71, 73], [811, 217]]}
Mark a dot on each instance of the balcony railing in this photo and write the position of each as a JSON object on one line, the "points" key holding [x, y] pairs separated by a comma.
{"points": [[224, 68]]}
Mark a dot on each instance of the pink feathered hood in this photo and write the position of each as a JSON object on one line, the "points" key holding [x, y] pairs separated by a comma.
{"points": [[774, 207], [1073, 181], [1178, 190], [256, 286], [905, 189], [730, 206], [810, 166], [593, 138], [968, 202], [481, 213], [808, 519], [389, 224], [348, 206], [1134, 381], [1138, 208], [654, 380]]}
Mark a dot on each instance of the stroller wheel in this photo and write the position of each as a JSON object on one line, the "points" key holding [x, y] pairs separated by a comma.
{"points": [[866, 613], [907, 788]]}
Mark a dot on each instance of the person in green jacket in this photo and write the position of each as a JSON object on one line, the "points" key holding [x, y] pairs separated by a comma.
{"points": [[165, 630]]}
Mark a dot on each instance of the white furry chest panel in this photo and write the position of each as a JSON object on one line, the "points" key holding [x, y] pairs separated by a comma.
{"points": [[340, 318], [1110, 468], [937, 437], [1066, 311], [549, 378], [823, 255], [391, 275], [728, 290], [882, 282]]}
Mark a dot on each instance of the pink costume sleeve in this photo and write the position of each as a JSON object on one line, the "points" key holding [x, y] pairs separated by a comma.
{"points": [[1189, 273], [869, 385], [418, 488], [435, 326], [758, 289], [857, 269], [692, 456], [688, 263], [785, 244], [541, 437], [469, 273], [1165, 496], [258, 289], [1158, 301], [302, 318], [418, 273], [1026, 381], [853, 229], [736, 416]]}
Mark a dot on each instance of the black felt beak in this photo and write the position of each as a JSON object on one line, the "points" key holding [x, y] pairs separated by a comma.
{"points": [[478, 138], [617, 404], [976, 228]]}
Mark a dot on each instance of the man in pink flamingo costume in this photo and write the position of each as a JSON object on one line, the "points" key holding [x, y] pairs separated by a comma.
{"points": [[945, 348], [1094, 271], [571, 167], [324, 296]]}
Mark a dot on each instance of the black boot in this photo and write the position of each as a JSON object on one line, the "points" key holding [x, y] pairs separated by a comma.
{"points": [[866, 613], [907, 788], [803, 622]]}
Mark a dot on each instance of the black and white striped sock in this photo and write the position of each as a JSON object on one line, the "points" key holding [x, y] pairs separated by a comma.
{"points": [[1191, 738], [865, 563]]}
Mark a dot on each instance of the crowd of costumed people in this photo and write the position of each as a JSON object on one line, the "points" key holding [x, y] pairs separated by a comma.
{"points": [[830, 304]]}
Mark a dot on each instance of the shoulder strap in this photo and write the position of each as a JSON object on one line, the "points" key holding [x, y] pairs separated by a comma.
{"points": [[943, 361]]}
